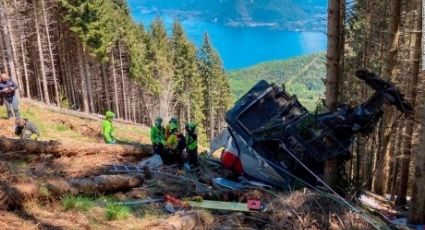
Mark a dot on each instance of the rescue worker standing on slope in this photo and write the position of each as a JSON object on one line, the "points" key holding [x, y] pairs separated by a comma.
{"points": [[173, 146], [192, 144], [8, 93], [26, 129], [108, 128], [158, 139]]}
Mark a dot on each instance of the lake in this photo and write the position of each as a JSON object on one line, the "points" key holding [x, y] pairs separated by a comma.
{"points": [[241, 47]]}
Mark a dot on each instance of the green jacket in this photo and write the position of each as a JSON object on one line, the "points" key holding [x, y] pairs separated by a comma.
{"points": [[173, 142], [157, 135], [108, 131], [192, 141]]}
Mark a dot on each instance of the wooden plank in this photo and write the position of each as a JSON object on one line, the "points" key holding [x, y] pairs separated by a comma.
{"points": [[219, 205]]}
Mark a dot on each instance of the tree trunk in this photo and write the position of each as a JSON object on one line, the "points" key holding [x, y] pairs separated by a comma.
{"points": [[16, 194], [106, 82], [386, 129], [417, 209], [114, 80], [7, 42], [52, 60], [332, 72], [89, 87], [124, 90], [59, 149], [412, 97], [81, 68], [45, 88]]}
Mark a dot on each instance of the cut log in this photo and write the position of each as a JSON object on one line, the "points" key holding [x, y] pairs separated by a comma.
{"points": [[59, 149], [17, 194]]}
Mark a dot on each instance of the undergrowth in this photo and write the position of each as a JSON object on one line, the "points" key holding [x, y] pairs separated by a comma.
{"points": [[79, 203], [116, 211]]}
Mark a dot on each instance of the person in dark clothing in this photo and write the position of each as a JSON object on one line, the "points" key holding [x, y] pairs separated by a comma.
{"points": [[26, 129], [8, 93], [192, 144]]}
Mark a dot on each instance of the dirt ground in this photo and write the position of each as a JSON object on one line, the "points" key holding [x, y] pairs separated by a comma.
{"points": [[22, 175]]}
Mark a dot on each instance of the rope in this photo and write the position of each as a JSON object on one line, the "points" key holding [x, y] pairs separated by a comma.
{"points": [[336, 197]]}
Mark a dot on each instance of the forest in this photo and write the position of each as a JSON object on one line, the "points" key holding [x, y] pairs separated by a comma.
{"points": [[91, 56], [385, 37]]}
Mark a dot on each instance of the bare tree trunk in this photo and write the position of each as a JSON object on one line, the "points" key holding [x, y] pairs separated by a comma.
{"points": [[386, 129], [114, 80], [417, 207], [89, 87], [417, 210], [412, 97], [52, 60], [124, 91], [7, 42], [45, 91], [105, 87], [16, 76], [4, 69], [81, 67], [23, 53], [332, 72]]}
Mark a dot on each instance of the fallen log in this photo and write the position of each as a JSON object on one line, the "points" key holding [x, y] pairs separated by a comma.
{"points": [[59, 149], [16, 194]]}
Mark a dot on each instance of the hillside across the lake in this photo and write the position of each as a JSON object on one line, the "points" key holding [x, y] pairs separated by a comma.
{"points": [[301, 75], [281, 14]]}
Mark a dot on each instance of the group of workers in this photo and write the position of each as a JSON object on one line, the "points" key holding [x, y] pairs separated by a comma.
{"points": [[169, 143], [24, 128]]}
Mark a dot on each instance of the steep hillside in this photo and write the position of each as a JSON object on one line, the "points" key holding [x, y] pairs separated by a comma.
{"points": [[302, 76], [61, 124], [283, 14]]}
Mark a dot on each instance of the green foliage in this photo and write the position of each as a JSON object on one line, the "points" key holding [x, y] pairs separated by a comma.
{"points": [[61, 127], [217, 94], [116, 211], [167, 67], [101, 25], [302, 76], [43, 192], [79, 203]]}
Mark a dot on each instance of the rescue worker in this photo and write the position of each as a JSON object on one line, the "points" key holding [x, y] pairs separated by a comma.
{"points": [[108, 128], [173, 146], [26, 129], [158, 139], [173, 120], [192, 144], [8, 93]]}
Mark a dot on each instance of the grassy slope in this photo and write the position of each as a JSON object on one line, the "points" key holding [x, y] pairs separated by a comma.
{"points": [[55, 126], [301, 75]]}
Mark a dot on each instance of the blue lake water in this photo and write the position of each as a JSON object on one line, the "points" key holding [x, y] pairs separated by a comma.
{"points": [[243, 46]]}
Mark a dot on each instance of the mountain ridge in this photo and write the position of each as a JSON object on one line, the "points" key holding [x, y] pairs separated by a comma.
{"points": [[293, 15]]}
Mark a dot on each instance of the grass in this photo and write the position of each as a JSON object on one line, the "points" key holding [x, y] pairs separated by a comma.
{"points": [[44, 192], [61, 127], [116, 211], [79, 203], [50, 129]]}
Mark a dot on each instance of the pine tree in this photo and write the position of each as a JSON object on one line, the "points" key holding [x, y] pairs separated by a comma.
{"points": [[217, 94], [161, 67]]}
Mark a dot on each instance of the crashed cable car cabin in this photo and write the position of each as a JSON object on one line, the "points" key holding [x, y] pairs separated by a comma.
{"points": [[271, 138]]}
